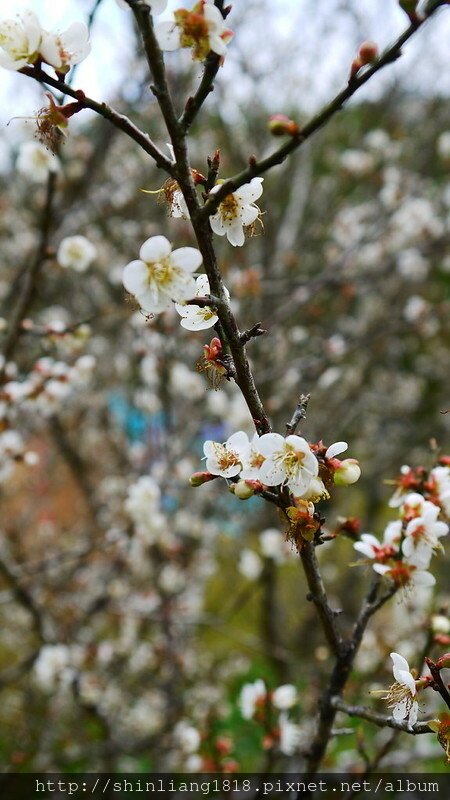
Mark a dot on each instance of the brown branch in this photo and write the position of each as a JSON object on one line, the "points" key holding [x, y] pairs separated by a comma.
{"points": [[252, 333], [381, 720], [299, 414], [255, 167], [118, 120], [200, 223], [318, 596], [32, 274], [206, 86], [341, 673]]}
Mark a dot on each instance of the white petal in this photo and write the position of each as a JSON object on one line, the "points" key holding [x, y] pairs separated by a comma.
{"points": [[400, 664], [251, 191], [238, 442], [168, 35], [422, 578], [153, 301], [248, 214], [365, 549], [270, 443], [271, 474], [382, 569], [400, 710], [236, 235], [155, 249], [217, 225], [336, 449], [413, 713], [217, 45], [198, 323], [202, 285], [186, 258], [135, 277]]}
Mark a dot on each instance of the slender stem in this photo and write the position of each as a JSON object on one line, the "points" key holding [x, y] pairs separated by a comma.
{"points": [[381, 720], [32, 275], [319, 598], [107, 112]]}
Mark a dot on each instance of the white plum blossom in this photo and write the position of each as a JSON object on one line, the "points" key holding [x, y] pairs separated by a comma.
{"points": [[287, 461], [236, 211], [20, 39], [226, 459], [441, 477], [52, 661], [402, 696], [64, 50], [156, 6], [249, 564], [290, 735], [161, 275], [422, 536], [252, 694], [198, 318], [253, 462], [273, 545], [284, 697], [187, 737], [77, 253], [202, 28], [35, 162], [406, 574], [143, 498], [369, 546]]}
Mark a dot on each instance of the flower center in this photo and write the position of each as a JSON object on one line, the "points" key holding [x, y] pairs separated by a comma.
{"points": [[225, 458], [398, 693], [402, 573], [256, 459], [291, 459], [161, 272], [229, 208]]}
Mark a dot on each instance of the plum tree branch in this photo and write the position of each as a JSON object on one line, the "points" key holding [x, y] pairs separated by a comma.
{"points": [[118, 120], [381, 720], [392, 53]]}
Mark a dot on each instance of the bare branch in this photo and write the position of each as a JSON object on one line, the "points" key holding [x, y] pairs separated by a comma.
{"points": [[255, 167], [381, 720]]}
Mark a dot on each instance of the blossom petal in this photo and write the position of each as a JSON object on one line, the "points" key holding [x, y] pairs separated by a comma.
{"points": [[336, 449], [187, 259], [250, 191], [155, 249], [168, 35], [236, 235], [400, 664], [135, 277], [270, 443]]}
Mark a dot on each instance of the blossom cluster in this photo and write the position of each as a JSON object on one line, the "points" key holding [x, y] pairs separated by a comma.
{"points": [[270, 710], [409, 542], [23, 41]]}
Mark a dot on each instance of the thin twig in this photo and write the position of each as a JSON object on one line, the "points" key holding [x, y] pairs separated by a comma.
{"points": [[255, 167], [381, 720]]}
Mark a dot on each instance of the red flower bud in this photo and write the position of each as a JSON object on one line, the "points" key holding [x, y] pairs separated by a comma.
{"points": [[280, 125], [199, 478]]}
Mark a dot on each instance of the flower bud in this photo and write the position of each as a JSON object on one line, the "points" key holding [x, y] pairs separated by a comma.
{"points": [[243, 490], [280, 125], [199, 478], [347, 473], [440, 624], [368, 52], [316, 491]]}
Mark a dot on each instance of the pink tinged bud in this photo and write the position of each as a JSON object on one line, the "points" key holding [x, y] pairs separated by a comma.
{"points": [[199, 478], [347, 473], [443, 662], [368, 52], [243, 490], [280, 125]]}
